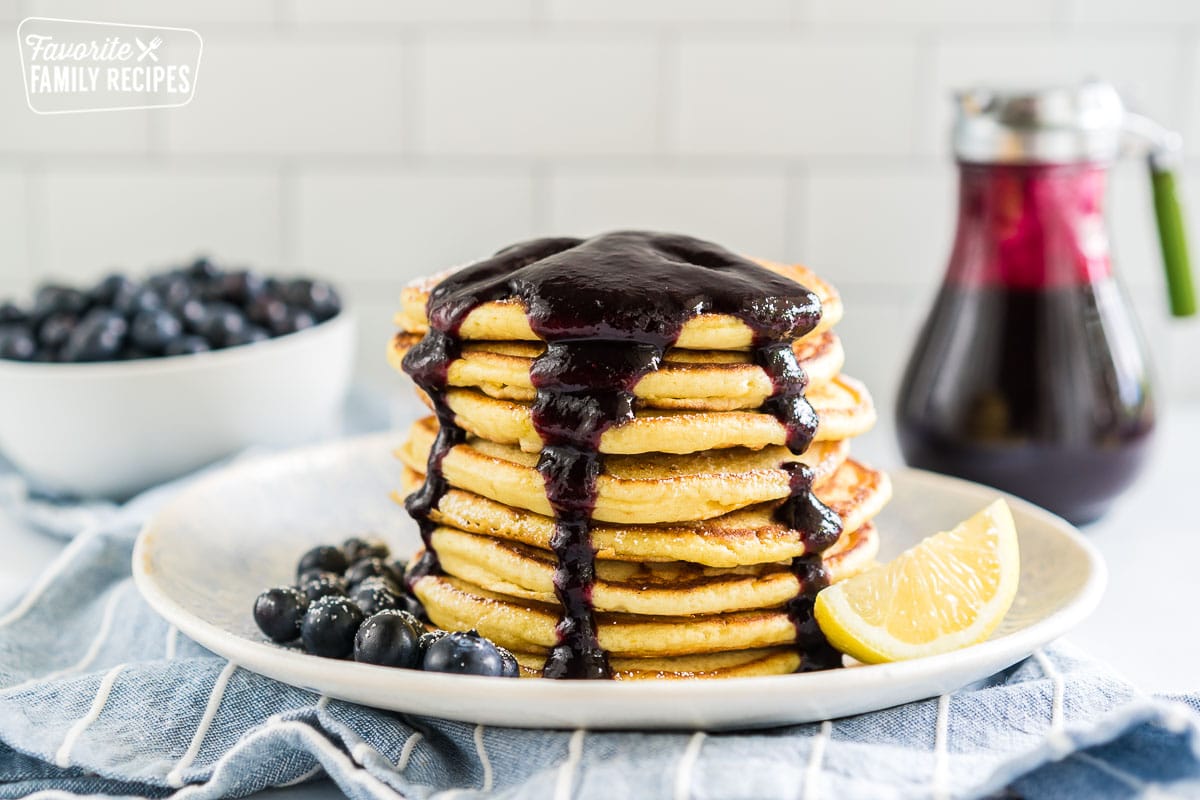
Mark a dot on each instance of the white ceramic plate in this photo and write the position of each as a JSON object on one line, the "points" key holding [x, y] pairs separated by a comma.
{"points": [[202, 561]]}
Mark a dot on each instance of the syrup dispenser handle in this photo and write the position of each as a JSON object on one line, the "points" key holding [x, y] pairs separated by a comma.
{"points": [[1173, 239], [1163, 159]]}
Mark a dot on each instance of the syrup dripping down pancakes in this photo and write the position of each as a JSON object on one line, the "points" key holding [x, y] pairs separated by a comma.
{"points": [[638, 462]]}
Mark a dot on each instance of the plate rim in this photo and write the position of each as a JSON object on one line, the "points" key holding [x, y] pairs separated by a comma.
{"points": [[252, 655]]}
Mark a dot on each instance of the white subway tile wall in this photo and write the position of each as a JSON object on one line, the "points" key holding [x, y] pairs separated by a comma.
{"points": [[376, 141]]}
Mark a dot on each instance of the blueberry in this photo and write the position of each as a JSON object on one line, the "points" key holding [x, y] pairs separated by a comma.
{"points": [[296, 319], [98, 337], [106, 291], [202, 269], [464, 654], [221, 324], [326, 584], [186, 345], [511, 667], [53, 299], [174, 289], [356, 549], [56, 329], [11, 313], [135, 354], [428, 638], [374, 595], [133, 299], [152, 331], [413, 606], [329, 627], [317, 297], [279, 612], [17, 344], [390, 639], [323, 557], [242, 287], [369, 568], [193, 313], [250, 334], [268, 312]]}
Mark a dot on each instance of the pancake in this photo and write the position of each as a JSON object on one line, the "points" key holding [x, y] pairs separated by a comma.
{"points": [[695, 380], [506, 320], [530, 627], [674, 588], [748, 536], [843, 407], [646, 488], [733, 664]]}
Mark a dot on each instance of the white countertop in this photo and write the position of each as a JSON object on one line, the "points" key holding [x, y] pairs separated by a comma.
{"points": [[1151, 541]]}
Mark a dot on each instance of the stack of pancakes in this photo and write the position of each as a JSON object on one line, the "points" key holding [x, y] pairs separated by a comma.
{"points": [[694, 573]]}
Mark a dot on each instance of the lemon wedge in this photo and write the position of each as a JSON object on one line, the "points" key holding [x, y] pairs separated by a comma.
{"points": [[949, 591]]}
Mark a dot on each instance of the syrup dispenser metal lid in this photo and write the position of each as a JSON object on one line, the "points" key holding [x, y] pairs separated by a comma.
{"points": [[1053, 125]]}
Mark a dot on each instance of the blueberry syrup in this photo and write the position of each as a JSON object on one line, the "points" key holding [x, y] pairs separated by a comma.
{"points": [[577, 295]]}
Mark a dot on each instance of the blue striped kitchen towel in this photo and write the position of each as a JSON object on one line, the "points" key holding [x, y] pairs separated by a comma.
{"points": [[100, 696]]}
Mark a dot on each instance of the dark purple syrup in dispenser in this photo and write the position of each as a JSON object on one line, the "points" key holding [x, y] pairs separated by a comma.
{"points": [[1028, 374]]}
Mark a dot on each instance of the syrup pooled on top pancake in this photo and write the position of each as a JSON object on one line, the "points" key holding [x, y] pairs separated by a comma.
{"points": [[609, 309]]}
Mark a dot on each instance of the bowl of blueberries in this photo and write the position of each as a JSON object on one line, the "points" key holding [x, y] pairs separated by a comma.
{"points": [[109, 389]]}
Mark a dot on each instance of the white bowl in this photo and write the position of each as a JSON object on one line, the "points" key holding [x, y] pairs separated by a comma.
{"points": [[111, 429]]}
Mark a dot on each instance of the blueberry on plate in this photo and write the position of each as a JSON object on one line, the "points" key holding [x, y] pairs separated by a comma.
{"points": [[134, 298], [511, 667], [105, 292], [99, 336], [391, 639], [324, 584], [268, 312], [356, 549], [247, 335], [428, 638], [323, 557], [56, 329], [296, 319], [193, 313], [221, 324], [17, 344], [53, 298], [464, 654], [203, 269], [10, 313], [374, 595], [279, 612], [174, 288], [368, 568], [329, 627], [186, 345], [317, 297], [152, 331], [242, 287]]}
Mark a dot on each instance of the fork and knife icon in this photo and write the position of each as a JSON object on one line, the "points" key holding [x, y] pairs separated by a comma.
{"points": [[148, 49]]}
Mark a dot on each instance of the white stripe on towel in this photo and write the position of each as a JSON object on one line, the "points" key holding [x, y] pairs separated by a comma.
{"points": [[483, 760], [66, 557], [63, 757], [106, 621], [1132, 781], [172, 642], [812, 775], [941, 760], [566, 773], [407, 751], [299, 779], [175, 776], [687, 764], [1056, 704], [315, 741]]}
